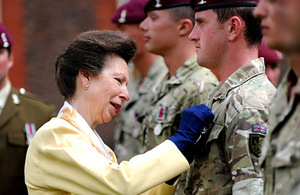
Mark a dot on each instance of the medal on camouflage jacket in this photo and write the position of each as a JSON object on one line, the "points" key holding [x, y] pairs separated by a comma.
{"points": [[160, 118], [30, 132]]}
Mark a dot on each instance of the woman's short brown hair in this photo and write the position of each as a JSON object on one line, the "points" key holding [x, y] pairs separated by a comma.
{"points": [[88, 53]]}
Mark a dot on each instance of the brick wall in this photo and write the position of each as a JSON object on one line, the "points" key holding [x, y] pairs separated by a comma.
{"points": [[41, 30]]}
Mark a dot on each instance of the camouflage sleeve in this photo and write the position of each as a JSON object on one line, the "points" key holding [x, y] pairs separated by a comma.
{"points": [[243, 142]]}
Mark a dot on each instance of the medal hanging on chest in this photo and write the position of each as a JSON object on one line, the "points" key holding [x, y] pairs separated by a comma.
{"points": [[160, 119], [30, 131]]}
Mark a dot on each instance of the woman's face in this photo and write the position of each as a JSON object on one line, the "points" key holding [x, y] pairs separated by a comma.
{"points": [[108, 90]]}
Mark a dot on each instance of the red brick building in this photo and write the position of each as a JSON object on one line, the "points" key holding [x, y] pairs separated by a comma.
{"points": [[41, 29]]}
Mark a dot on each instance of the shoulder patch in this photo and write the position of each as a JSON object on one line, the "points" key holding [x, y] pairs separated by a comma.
{"points": [[255, 142], [259, 129]]}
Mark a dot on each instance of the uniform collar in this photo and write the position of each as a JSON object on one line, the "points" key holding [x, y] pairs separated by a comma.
{"points": [[298, 88], [4, 93], [242, 75], [180, 76], [185, 70]]}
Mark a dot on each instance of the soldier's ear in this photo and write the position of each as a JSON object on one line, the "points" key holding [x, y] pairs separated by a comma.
{"points": [[10, 60], [185, 27], [235, 26]]}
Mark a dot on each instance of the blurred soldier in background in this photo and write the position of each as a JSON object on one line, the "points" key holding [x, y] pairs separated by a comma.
{"points": [[147, 72], [166, 31], [280, 158], [21, 114]]}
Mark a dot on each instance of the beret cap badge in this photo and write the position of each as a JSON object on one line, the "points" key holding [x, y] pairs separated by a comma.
{"points": [[158, 4], [122, 18], [201, 2], [6, 40], [131, 12], [201, 5], [165, 4]]}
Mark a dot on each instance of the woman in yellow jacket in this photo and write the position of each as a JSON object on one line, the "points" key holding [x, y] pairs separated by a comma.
{"points": [[67, 156]]}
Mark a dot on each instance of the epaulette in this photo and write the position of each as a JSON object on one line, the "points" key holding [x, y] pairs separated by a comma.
{"points": [[25, 94]]}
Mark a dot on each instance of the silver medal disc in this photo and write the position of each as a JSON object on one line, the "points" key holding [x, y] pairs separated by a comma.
{"points": [[157, 129]]}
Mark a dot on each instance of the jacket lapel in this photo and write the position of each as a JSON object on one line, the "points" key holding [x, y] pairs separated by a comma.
{"points": [[9, 110]]}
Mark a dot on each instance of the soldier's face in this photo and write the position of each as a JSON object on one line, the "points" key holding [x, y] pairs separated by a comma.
{"points": [[6, 62], [280, 24], [160, 31], [209, 38]]}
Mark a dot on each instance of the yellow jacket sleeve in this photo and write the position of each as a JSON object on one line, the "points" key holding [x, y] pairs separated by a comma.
{"points": [[162, 189], [62, 159]]}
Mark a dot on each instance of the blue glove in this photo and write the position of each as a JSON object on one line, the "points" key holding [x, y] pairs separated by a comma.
{"points": [[194, 119]]}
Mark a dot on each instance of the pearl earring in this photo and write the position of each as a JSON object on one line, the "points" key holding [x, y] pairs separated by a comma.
{"points": [[86, 86]]}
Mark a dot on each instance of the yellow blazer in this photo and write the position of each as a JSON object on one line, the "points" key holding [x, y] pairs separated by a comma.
{"points": [[62, 159]]}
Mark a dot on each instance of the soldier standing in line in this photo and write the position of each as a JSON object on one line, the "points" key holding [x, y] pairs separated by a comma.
{"points": [[148, 71], [166, 31], [21, 114], [227, 37], [280, 158]]}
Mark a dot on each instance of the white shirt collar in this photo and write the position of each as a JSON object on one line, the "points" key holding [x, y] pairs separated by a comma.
{"points": [[83, 125], [4, 92]]}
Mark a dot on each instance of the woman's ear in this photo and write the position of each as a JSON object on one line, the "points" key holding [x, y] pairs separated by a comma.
{"points": [[185, 27], [84, 78], [235, 27]]}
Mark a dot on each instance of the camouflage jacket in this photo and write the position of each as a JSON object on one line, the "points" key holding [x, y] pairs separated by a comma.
{"points": [[189, 86], [127, 128], [227, 161], [281, 149]]}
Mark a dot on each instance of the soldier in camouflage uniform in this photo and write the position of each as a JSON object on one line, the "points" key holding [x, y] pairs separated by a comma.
{"points": [[166, 31], [226, 161], [280, 157], [147, 71], [127, 131]]}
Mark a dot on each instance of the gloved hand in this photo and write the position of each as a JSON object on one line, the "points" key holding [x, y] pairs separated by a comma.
{"points": [[194, 119]]}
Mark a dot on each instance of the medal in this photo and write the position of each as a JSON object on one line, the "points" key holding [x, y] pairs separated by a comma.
{"points": [[160, 119], [161, 114], [30, 132], [136, 132], [157, 129]]}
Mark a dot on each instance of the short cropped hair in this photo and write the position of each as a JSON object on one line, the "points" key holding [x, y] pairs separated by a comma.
{"points": [[252, 32], [182, 12], [88, 53]]}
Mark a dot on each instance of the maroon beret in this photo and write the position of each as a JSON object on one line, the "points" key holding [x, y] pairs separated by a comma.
{"points": [[270, 56], [6, 38], [165, 4], [200, 5], [131, 12]]}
